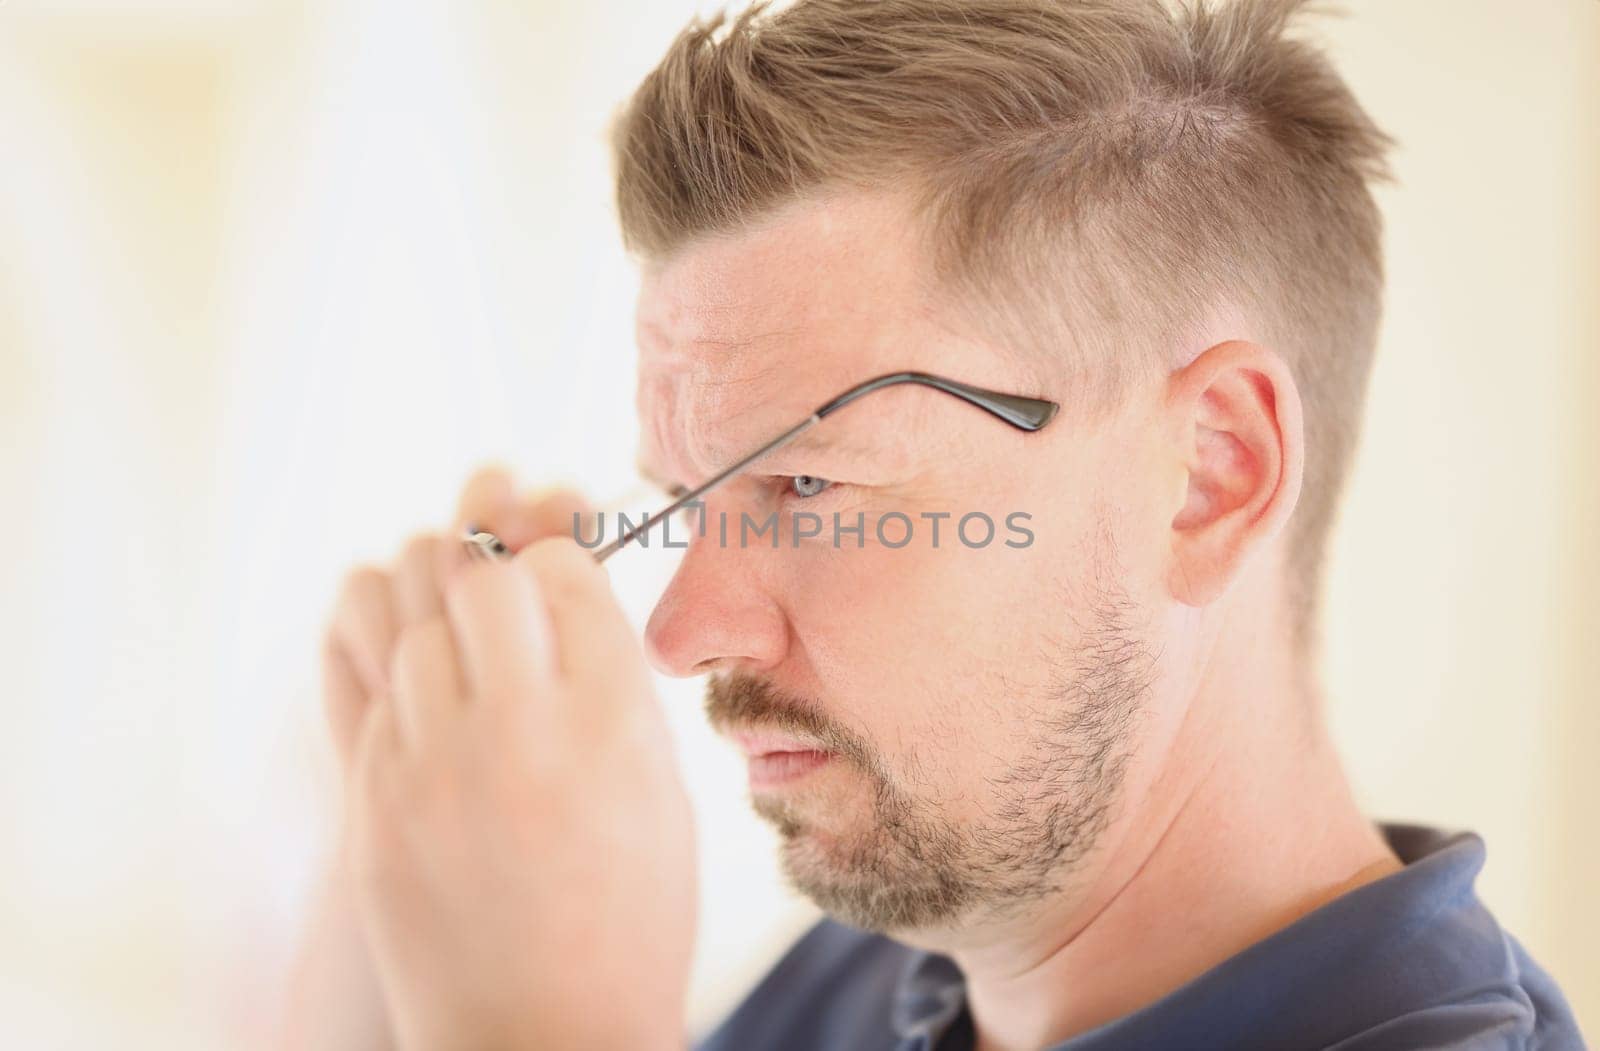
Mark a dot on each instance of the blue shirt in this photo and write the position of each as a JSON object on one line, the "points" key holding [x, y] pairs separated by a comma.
{"points": [[1412, 960]]}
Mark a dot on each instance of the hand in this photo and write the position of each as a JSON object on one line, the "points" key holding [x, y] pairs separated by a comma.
{"points": [[522, 845], [335, 999], [374, 604]]}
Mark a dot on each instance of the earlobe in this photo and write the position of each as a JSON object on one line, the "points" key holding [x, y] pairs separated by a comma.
{"points": [[1242, 451]]}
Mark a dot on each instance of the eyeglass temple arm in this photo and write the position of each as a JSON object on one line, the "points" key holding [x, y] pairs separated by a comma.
{"points": [[1028, 414]]}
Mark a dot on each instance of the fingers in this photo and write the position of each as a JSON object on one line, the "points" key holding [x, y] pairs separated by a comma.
{"points": [[428, 687], [468, 629], [344, 699], [361, 651], [420, 576], [549, 513], [364, 626], [372, 783], [355, 656], [490, 501], [424, 672], [487, 493], [593, 638], [506, 642]]}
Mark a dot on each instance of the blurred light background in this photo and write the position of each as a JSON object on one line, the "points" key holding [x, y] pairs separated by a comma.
{"points": [[274, 276]]}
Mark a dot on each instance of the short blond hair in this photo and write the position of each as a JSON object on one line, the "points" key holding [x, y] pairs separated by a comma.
{"points": [[1095, 179]]}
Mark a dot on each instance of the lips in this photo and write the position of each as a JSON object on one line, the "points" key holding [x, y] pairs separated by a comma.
{"points": [[776, 759], [756, 743]]}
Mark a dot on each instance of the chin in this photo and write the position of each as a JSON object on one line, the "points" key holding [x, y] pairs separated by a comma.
{"points": [[863, 878]]}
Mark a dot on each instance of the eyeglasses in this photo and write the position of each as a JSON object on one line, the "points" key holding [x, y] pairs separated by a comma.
{"points": [[1026, 414]]}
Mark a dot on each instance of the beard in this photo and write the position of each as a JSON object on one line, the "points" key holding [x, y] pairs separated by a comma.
{"points": [[914, 867]]}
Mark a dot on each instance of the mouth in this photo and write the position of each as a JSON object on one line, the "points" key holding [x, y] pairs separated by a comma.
{"points": [[776, 760]]}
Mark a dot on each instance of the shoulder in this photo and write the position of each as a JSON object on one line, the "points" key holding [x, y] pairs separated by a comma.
{"points": [[832, 988]]}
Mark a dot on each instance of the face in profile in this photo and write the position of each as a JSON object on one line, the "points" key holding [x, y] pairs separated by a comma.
{"points": [[941, 730]]}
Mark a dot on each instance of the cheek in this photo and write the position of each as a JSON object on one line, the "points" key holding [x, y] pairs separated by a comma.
{"points": [[923, 652]]}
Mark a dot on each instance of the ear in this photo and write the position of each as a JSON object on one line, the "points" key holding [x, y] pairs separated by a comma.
{"points": [[1242, 445]]}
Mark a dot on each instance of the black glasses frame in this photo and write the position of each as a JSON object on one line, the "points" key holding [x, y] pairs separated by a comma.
{"points": [[1026, 414]]}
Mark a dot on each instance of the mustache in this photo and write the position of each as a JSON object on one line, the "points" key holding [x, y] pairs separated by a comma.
{"points": [[743, 702]]}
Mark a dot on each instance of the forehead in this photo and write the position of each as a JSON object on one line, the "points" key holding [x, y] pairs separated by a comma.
{"points": [[739, 332], [844, 262]]}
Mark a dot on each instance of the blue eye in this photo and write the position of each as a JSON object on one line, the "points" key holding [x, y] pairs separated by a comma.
{"points": [[805, 485]]}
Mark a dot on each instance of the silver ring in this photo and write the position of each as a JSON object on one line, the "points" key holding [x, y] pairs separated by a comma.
{"points": [[484, 546]]}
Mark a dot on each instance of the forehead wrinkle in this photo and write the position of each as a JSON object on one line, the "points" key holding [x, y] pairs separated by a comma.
{"points": [[885, 442], [689, 386], [710, 416], [719, 403]]}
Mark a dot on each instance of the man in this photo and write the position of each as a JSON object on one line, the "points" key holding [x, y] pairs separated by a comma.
{"points": [[1073, 791]]}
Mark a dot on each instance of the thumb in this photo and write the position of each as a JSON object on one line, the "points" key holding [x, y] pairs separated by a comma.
{"points": [[548, 512], [486, 495], [490, 501]]}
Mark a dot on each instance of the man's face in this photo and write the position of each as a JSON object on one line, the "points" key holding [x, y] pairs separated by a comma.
{"points": [[942, 731]]}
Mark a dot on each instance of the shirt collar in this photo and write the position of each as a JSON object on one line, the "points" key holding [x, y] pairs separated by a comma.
{"points": [[931, 991], [929, 996]]}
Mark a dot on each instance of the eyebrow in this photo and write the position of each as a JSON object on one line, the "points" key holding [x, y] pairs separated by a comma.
{"points": [[804, 445]]}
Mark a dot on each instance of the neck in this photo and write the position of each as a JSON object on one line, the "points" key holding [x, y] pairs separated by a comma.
{"points": [[1248, 825]]}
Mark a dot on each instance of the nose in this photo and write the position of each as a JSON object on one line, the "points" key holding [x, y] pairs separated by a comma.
{"points": [[716, 614]]}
